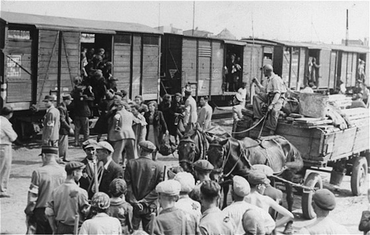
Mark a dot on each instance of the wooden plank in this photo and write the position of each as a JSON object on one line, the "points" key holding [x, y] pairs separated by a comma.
{"points": [[344, 141], [361, 141]]}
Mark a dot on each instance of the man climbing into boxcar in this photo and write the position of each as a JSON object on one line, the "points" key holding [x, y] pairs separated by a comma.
{"points": [[271, 96]]}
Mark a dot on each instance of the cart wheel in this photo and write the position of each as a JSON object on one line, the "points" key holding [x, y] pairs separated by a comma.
{"points": [[359, 174], [313, 180]]}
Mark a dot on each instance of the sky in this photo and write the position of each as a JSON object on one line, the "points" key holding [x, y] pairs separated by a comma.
{"points": [[318, 21]]}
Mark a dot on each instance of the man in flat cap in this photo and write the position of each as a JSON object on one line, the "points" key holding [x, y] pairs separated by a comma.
{"points": [[142, 175], [191, 115], [51, 124], [172, 220], [65, 127], [240, 189], [202, 171], [43, 181], [213, 220], [90, 162], [108, 170], [271, 94], [185, 203], [323, 201], [67, 200], [258, 182]]}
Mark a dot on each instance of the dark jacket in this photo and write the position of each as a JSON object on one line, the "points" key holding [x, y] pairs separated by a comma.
{"points": [[159, 123], [169, 117], [114, 171], [81, 99], [65, 125], [87, 178], [142, 176]]}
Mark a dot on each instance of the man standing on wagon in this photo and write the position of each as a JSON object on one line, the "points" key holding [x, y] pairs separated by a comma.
{"points": [[272, 95]]}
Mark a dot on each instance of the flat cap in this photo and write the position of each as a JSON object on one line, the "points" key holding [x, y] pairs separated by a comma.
{"points": [[267, 67], [169, 187], [49, 98], [252, 222], [324, 199], [89, 143], [186, 180], [263, 168], [49, 149], [241, 186], [210, 188], [147, 146], [203, 165], [100, 200], [74, 166], [257, 177], [104, 145]]}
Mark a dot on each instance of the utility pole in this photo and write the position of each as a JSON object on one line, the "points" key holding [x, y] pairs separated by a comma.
{"points": [[347, 36], [192, 32]]}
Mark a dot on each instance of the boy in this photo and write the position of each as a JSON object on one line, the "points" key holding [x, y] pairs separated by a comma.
{"points": [[119, 208]]}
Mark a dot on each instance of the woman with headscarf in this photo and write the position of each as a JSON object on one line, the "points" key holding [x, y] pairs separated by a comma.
{"points": [[156, 125]]}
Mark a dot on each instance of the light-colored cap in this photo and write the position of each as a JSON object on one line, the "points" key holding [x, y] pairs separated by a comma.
{"points": [[169, 187], [241, 186], [186, 180], [104, 145]]}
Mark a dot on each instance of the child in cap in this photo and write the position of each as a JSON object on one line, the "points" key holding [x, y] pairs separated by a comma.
{"points": [[101, 223], [119, 208]]}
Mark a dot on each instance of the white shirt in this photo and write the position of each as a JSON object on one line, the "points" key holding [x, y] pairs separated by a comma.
{"points": [[323, 226], [190, 111], [101, 224], [190, 206], [7, 134]]}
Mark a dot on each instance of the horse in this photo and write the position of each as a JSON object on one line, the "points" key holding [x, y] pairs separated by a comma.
{"points": [[234, 157], [193, 146]]}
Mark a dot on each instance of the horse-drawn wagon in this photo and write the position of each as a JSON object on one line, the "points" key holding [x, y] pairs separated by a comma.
{"points": [[322, 145]]}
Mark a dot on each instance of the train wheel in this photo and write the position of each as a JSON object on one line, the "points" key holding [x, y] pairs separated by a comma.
{"points": [[359, 174], [313, 180]]}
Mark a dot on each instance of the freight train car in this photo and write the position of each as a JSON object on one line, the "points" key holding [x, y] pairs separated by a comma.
{"points": [[203, 62], [41, 55], [326, 64]]}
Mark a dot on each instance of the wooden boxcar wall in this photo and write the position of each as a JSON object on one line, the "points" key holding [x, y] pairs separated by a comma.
{"points": [[189, 61], [48, 61], [136, 64], [252, 62], [217, 68]]}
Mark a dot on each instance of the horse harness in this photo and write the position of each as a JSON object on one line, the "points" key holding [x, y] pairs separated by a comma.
{"points": [[226, 158]]}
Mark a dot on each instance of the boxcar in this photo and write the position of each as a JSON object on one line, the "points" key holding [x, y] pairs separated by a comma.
{"points": [[200, 62], [291, 61], [41, 55]]}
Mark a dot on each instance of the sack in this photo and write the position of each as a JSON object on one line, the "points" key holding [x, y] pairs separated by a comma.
{"points": [[364, 225], [166, 147]]}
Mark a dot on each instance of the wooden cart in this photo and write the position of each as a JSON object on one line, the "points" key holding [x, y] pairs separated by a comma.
{"points": [[346, 151]]}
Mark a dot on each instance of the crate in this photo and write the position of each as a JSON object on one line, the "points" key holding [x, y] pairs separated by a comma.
{"points": [[313, 105]]}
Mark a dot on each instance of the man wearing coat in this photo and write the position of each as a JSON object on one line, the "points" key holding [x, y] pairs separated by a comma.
{"points": [[108, 170], [121, 134], [142, 176], [65, 127], [86, 181], [191, 115]]}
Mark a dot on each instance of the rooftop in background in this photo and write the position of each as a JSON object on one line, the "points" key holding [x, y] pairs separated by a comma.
{"points": [[54, 22]]}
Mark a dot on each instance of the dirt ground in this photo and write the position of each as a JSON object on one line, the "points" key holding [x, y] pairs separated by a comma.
{"points": [[25, 160]]}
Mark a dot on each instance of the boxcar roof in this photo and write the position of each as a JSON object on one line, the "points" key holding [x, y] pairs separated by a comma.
{"points": [[310, 45], [83, 25]]}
